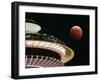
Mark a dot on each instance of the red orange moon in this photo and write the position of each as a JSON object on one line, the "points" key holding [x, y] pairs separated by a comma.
{"points": [[76, 32]]}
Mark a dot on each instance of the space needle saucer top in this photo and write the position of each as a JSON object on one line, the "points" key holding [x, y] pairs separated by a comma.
{"points": [[43, 50]]}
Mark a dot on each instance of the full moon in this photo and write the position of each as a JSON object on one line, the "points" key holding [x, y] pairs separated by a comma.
{"points": [[76, 32]]}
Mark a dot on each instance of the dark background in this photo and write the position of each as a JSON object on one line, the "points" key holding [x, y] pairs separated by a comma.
{"points": [[59, 25]]}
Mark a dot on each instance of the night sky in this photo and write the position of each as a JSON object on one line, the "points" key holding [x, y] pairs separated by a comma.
{"points": [[59, 25]]}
